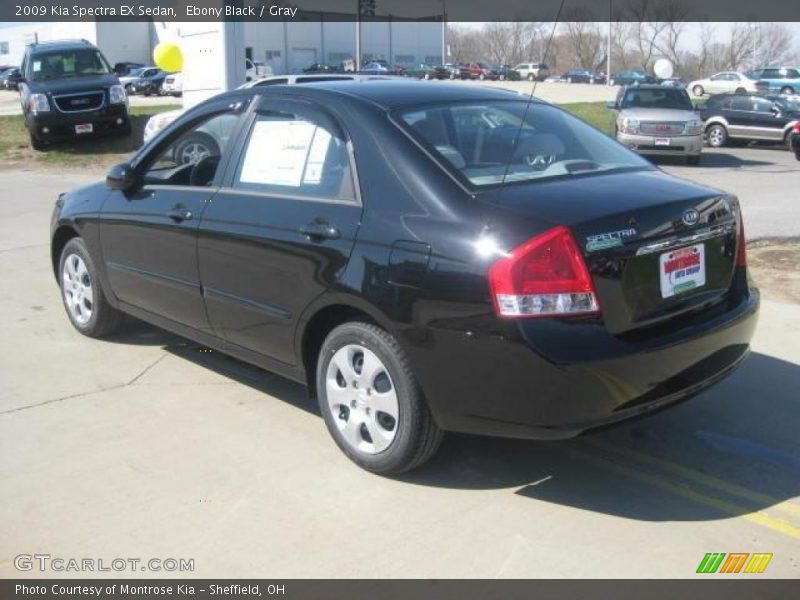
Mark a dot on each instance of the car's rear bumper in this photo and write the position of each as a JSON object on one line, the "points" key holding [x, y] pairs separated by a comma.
{"points": [[550, 379], [56, 126], [679, 145]]}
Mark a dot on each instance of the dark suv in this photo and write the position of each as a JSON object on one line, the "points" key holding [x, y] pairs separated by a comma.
{"points": [[68, 90]]}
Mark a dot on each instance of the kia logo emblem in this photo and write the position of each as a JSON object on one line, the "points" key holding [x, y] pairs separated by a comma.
{"points": [[690, 217]]}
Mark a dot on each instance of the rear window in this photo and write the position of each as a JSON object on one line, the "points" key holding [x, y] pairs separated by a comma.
{"points": [[657, 98], [497, 142]]}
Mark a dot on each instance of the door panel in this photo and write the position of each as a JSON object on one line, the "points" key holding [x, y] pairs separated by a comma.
{"points": [[150, 257], [277, 237]]}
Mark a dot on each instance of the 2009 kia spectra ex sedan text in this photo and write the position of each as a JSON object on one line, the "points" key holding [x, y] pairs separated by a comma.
{"points": [[424, 258]]}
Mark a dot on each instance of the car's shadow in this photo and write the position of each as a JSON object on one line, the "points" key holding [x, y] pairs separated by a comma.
{"points": [[711, 160], [105, 144], [732, 450]]}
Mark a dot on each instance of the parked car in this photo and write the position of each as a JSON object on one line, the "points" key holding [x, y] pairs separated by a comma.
{"points": [[747, 117], [454, 71], [134, 74], [159, 121], [795, 140], [148, 83], [173, 85], [322, 68], [532, 71], [578, 76], [674, 82], [427, 72], [255, 70], [68, 91], [783, 80], [597, 77], [727, 81], [655, 120], [506, 310], [631, 77], [477, 70], [11, 79], [506, 73]]}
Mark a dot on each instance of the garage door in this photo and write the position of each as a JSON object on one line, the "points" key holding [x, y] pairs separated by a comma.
{"points": [[303, 58]]}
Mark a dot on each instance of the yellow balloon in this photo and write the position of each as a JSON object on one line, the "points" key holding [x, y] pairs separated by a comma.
{"points": [[168, 57]]}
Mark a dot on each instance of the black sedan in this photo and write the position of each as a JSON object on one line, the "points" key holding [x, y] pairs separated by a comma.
{"points": [[578, 76], [149, 82], [423, 258]]}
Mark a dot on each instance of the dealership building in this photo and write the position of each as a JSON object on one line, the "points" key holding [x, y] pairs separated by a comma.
{"points": [[283, 46]]}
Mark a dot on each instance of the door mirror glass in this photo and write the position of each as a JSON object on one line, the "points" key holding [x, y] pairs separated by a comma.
{"points": [[121, 177]]}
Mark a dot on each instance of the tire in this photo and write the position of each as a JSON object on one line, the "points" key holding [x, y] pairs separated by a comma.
{"points": [[37, 144], [350, 403], [717, 136], [740, 91], [787, 90], [693, 160], [530, 77], [91, 315], [195, 147], [698, 90]]}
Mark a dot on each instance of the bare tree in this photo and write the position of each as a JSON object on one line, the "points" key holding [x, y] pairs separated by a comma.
{"points": [[773, 44], [584, 43]]}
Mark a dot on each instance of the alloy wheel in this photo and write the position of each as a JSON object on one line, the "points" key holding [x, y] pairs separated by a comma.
{"points": [[362, 399], [193, 153], [76, 285]]}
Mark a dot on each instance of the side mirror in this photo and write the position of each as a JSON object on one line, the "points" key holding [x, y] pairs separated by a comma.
{"points": [[121, 177], [611, 105]]}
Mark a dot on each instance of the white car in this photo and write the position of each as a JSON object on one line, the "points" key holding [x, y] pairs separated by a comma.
{"points": [[726, 81], [158, 122], [255, 70], [133, 75], [173, 85]]}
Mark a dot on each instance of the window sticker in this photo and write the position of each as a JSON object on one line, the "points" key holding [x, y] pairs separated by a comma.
{"points": [[276, 153], [316, 157], [37, 66]]}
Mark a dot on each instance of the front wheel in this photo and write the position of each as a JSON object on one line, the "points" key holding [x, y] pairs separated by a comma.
{"points": [[371, 401], [717, 136], [787, 90], [87, 307], [698, 90]]}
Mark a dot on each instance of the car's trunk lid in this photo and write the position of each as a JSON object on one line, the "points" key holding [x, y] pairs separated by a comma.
{"points": [[655, 246]]}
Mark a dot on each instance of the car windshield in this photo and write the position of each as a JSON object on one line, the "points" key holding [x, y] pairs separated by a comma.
{"points": [[657, 98], [507, 141], [135, 72], [68, 63]]}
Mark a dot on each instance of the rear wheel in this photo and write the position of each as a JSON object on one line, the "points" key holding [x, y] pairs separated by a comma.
{"points": [[698, 90], [87, 307], [741, 91], [787, 90], [717, 136], [371, 402]]}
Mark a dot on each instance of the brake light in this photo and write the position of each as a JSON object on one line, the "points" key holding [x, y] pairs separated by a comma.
{"points": [[741, 250], [546, 276], [796, 128]]}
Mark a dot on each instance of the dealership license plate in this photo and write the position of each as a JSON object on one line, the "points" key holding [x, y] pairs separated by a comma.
{"points": [[682, 270], [84, 128], [662, 141]]}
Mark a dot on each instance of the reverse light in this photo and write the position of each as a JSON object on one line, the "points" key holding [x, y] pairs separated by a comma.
{"points": [[741, 250], [544, 277], [38, 103], [628, 125]]}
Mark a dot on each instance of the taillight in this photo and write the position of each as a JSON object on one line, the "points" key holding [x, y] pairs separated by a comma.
{"points": [[741, 250], [796, 128], [546, 276]]}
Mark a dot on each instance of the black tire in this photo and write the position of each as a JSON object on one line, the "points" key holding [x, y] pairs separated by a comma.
{"points": [[741, 91], [37, 144], [693, 160], [698, 90], [200, 139], [104, 319], [718, 139], [787, 90], [417, 436]]}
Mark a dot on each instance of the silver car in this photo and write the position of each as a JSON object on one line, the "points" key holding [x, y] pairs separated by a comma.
{"points": [[656, 120]]}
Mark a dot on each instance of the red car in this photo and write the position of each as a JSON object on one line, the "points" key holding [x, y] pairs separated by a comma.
{"points": [[478, 70]]}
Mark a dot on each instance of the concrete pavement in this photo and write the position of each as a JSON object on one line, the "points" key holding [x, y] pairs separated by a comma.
{"points": [[148, 446]]}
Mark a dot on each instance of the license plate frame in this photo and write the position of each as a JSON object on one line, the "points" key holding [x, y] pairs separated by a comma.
{"points": [[682, 270], [84, 128], [662, 141]]}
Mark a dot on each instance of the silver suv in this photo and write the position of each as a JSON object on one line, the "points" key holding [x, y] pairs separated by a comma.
{"points": [[531, 71], [656, 120]]}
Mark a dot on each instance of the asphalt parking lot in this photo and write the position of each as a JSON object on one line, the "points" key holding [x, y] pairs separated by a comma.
{"points": [[146, 445]]}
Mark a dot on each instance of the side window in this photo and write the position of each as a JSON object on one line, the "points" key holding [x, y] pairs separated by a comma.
{"points": [[792, 73], [771, 74], [194, 156], [717, 77], [761, 105], [741, 103], [290, 155]]}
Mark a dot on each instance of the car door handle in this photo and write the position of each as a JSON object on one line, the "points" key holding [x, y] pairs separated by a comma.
{"points": [[318, 231], [179, 214]]}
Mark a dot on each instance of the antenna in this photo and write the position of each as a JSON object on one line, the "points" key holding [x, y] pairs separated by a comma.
{"points": [[530, 98]]}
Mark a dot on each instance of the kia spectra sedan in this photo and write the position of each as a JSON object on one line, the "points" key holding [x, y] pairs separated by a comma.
{"points": [[423, 258]]}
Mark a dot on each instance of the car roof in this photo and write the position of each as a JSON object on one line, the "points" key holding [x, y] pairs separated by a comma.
{"points": [[650, 86], [60, 45], [390, 94]]}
